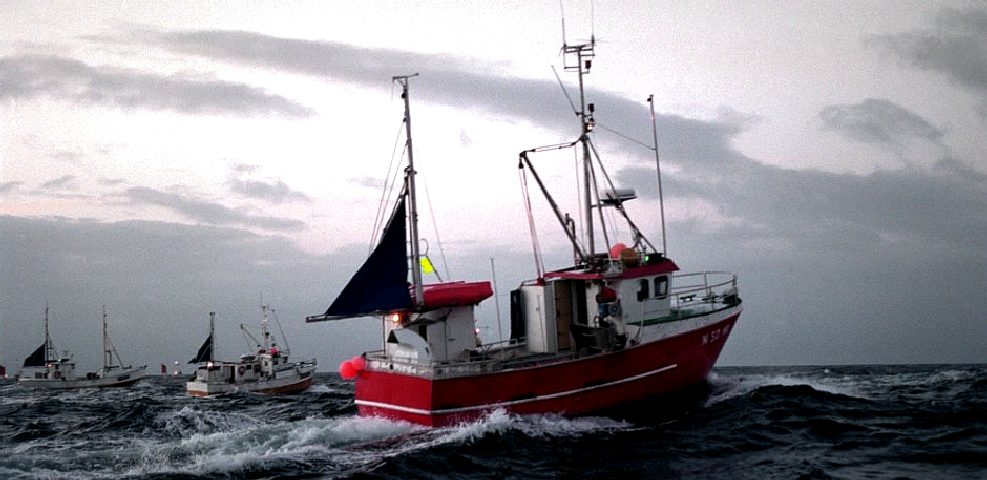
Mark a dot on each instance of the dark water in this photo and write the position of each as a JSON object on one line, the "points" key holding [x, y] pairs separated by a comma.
{"points": [[923, 422]]}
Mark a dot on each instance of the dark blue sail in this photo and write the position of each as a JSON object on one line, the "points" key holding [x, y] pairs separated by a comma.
{"points": [[205, 352], [381, 284], [37, 358]]}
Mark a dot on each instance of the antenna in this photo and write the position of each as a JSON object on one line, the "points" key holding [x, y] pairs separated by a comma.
{"points": [[592, 21], [562, 12]]}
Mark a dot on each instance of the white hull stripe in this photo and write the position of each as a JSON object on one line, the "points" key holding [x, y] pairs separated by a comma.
{"points": [[550, 396]]}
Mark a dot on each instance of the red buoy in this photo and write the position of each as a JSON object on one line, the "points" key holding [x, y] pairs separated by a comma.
{"points": [[346, 370], [616, 249]]}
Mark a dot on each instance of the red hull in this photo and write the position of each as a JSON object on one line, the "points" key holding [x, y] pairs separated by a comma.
{"points": [[570, 387]]}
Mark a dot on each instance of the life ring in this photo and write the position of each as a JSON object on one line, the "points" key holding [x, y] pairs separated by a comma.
{"points": [[240, 370], [57, 374]]}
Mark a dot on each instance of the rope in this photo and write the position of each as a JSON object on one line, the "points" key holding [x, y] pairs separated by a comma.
{"points": [[564, 91], [385, 197], [619, 205], [435, 227], [531, 220]]}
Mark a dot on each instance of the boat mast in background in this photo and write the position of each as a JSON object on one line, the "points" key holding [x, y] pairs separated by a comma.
{"points": [[49, 348], [107, 350]]}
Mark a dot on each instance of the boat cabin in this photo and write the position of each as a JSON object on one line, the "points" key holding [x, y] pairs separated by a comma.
{"points": [[592, 310], [61, 369]]}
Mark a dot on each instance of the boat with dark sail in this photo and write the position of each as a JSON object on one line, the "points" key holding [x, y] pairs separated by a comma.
{"points": [[46, 367], [612, 329], [266, 370]]}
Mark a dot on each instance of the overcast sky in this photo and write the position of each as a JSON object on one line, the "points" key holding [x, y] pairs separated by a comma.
{"points": [[174, 158]]}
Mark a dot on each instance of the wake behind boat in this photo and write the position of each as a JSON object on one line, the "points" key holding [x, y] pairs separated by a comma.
{"points": [[48, 368], [266, 371], [610, 330]]}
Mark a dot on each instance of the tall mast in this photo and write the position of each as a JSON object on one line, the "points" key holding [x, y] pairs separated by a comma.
{"points": [[212, 338], [48, 346], [584, 61], [107, 353], [416, 273], [661, 200], [263, 326]]}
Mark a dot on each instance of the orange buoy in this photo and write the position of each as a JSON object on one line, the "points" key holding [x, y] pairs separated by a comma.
{"points": [[358, 363]]}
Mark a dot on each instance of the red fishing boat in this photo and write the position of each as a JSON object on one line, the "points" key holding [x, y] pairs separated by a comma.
{"points": [[612, 329]]}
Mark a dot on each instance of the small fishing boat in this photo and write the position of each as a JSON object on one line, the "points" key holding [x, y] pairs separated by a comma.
{"points": [[46, 367], [614, 328], [267, 370]]}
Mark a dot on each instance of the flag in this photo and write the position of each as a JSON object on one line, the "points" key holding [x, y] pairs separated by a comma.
{"points": [[427, 267]]}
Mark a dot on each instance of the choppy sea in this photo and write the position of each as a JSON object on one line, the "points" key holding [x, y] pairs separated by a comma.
{"points": [[846, 422]]}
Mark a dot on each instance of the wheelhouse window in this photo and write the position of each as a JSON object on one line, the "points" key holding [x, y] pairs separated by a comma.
{"points": [[642, 292], [661, 287]]}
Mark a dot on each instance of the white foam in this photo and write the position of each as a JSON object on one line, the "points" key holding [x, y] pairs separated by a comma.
{"points": [[190, 421], [225, 443], [320, 388], [242, 444], [534, 425]]}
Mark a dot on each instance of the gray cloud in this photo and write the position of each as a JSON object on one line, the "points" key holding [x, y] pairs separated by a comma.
{"points": [[878, 120], [451, 81], [364, 66], [955, 47], [242, 168], [29, 76], [275, 191], [8, 187], [372, 182], [66, 156], [208, 212], [111, 181], [65, 181]]}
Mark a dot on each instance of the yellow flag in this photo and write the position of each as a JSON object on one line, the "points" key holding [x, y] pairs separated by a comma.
{"points": [[427, 267]]}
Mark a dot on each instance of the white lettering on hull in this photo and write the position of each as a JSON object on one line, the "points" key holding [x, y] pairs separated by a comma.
{"points": [[716, 334]]}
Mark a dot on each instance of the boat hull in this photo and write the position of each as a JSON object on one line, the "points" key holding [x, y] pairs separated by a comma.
{"points": [[286, 385], [570, 386], [119, 379]]}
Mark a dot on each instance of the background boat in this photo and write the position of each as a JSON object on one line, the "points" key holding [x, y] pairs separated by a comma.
{"points": [[266, 370], [46, 367]]}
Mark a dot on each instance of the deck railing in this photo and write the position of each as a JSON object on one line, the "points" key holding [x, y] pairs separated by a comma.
{"points": [[700, 293]]}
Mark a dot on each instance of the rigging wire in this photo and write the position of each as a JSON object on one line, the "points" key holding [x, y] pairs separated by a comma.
{"points": [[572, 104], [385, 195], [619, 205], [435, 227], [625, 137], [526, 194], [284, 338]]}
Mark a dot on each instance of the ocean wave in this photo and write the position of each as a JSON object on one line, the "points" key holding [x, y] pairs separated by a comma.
{"points": [[746, 422]]}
